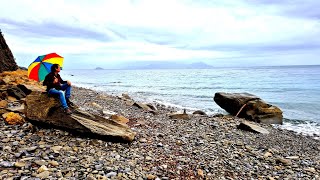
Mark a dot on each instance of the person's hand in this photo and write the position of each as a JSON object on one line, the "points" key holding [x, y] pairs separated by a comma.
{"points": [[69, 83], [55, 80]]}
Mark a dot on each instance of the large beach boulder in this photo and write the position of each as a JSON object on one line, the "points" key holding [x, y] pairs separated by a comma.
{"points": [[7, 62], [43, 110], [249, 107]]}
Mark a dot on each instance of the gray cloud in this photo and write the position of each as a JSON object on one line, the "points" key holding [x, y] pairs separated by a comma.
{"points": [[300, 42], [261, 47], [52, 29], [233, 30], [292, 8], [151, 35], [264, 54]]}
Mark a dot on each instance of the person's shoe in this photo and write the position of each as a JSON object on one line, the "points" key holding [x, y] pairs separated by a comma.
{"points": [[67, 111], [69, 103]]}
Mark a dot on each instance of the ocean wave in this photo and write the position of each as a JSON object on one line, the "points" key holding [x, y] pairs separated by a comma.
{"points": [[301, 126]]}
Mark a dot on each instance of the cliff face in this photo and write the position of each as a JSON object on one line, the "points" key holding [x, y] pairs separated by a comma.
{"points": [[7, 62]]}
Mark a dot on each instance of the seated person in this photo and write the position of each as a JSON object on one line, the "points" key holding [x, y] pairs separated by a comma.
{"points": [[56, 86]]}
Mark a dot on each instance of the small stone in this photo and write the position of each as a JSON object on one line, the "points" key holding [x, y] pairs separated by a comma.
{"points": [[41, 162], [56, 149], [126, 170], [267, 154], [120, 119], [143, 140], [59, 174], [42, 169], [277, 168], [92, 151], [24, 177], [164, 166], [5, 140], [310, 169], [18, 154], [69, 174], [75, 149], [15, 143], [6, 164], [13, 118], [43, 175], [148, 158], [99, 177], [98, 167], [117, 157], [111, 174], [90, 178], [292, 157], [179, 143], [19, 164], [41, 143], [150, 176], [27, 159], [286, 162], [200, 173], [3, 104], [95, 172], [31, 149], [53, 163]]}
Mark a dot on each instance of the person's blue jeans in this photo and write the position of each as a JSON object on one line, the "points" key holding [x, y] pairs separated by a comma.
{"points": [[62, 95]]}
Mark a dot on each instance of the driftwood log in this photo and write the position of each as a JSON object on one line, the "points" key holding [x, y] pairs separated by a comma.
{"points": [[249, 106], [43, 110]]}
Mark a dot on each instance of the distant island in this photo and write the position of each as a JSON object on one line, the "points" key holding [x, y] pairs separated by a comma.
{"points": [[98, 68], [170, 65]]}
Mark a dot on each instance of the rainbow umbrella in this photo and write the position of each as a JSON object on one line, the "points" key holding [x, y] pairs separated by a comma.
{"points": [[40, 67]]}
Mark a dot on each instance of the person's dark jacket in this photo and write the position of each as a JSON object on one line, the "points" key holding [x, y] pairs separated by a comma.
{"points": [[48, 81]]}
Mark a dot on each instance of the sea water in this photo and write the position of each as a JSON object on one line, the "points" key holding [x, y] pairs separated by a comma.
{"points": [[294, 89]]}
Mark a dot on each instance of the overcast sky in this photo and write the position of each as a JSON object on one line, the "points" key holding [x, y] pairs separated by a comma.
{"points": [[95, 33]]}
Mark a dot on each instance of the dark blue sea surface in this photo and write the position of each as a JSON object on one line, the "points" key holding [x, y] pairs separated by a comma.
{"points": [[294, 89]]}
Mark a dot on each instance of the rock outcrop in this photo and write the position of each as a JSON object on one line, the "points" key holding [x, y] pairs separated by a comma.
{"points": [[43, 110], [249, 106], [7, 62], [23, 99]]}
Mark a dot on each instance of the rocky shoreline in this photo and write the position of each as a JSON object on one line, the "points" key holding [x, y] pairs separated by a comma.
{"points": [[203, 147]]}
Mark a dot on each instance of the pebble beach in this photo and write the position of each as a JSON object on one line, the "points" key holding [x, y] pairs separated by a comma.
{"points": [[204, 147]]}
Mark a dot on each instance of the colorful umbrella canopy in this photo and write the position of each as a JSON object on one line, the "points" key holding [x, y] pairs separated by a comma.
{"points": [[40, 67]]}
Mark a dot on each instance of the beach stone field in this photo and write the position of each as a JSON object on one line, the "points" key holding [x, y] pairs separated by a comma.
{"points": [[202, 147]]}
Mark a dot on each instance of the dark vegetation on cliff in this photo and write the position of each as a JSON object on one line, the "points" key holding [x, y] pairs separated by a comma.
{"points": [[7, 61]]}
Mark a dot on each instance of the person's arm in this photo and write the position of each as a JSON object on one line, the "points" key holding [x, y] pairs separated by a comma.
{"points": [[49, 80], [60, 80]]}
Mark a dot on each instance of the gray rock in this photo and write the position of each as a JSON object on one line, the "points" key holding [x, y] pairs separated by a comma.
{"points": [[111, 174], [249, 106], [247, 126], [6, 164], [80, 121]]}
